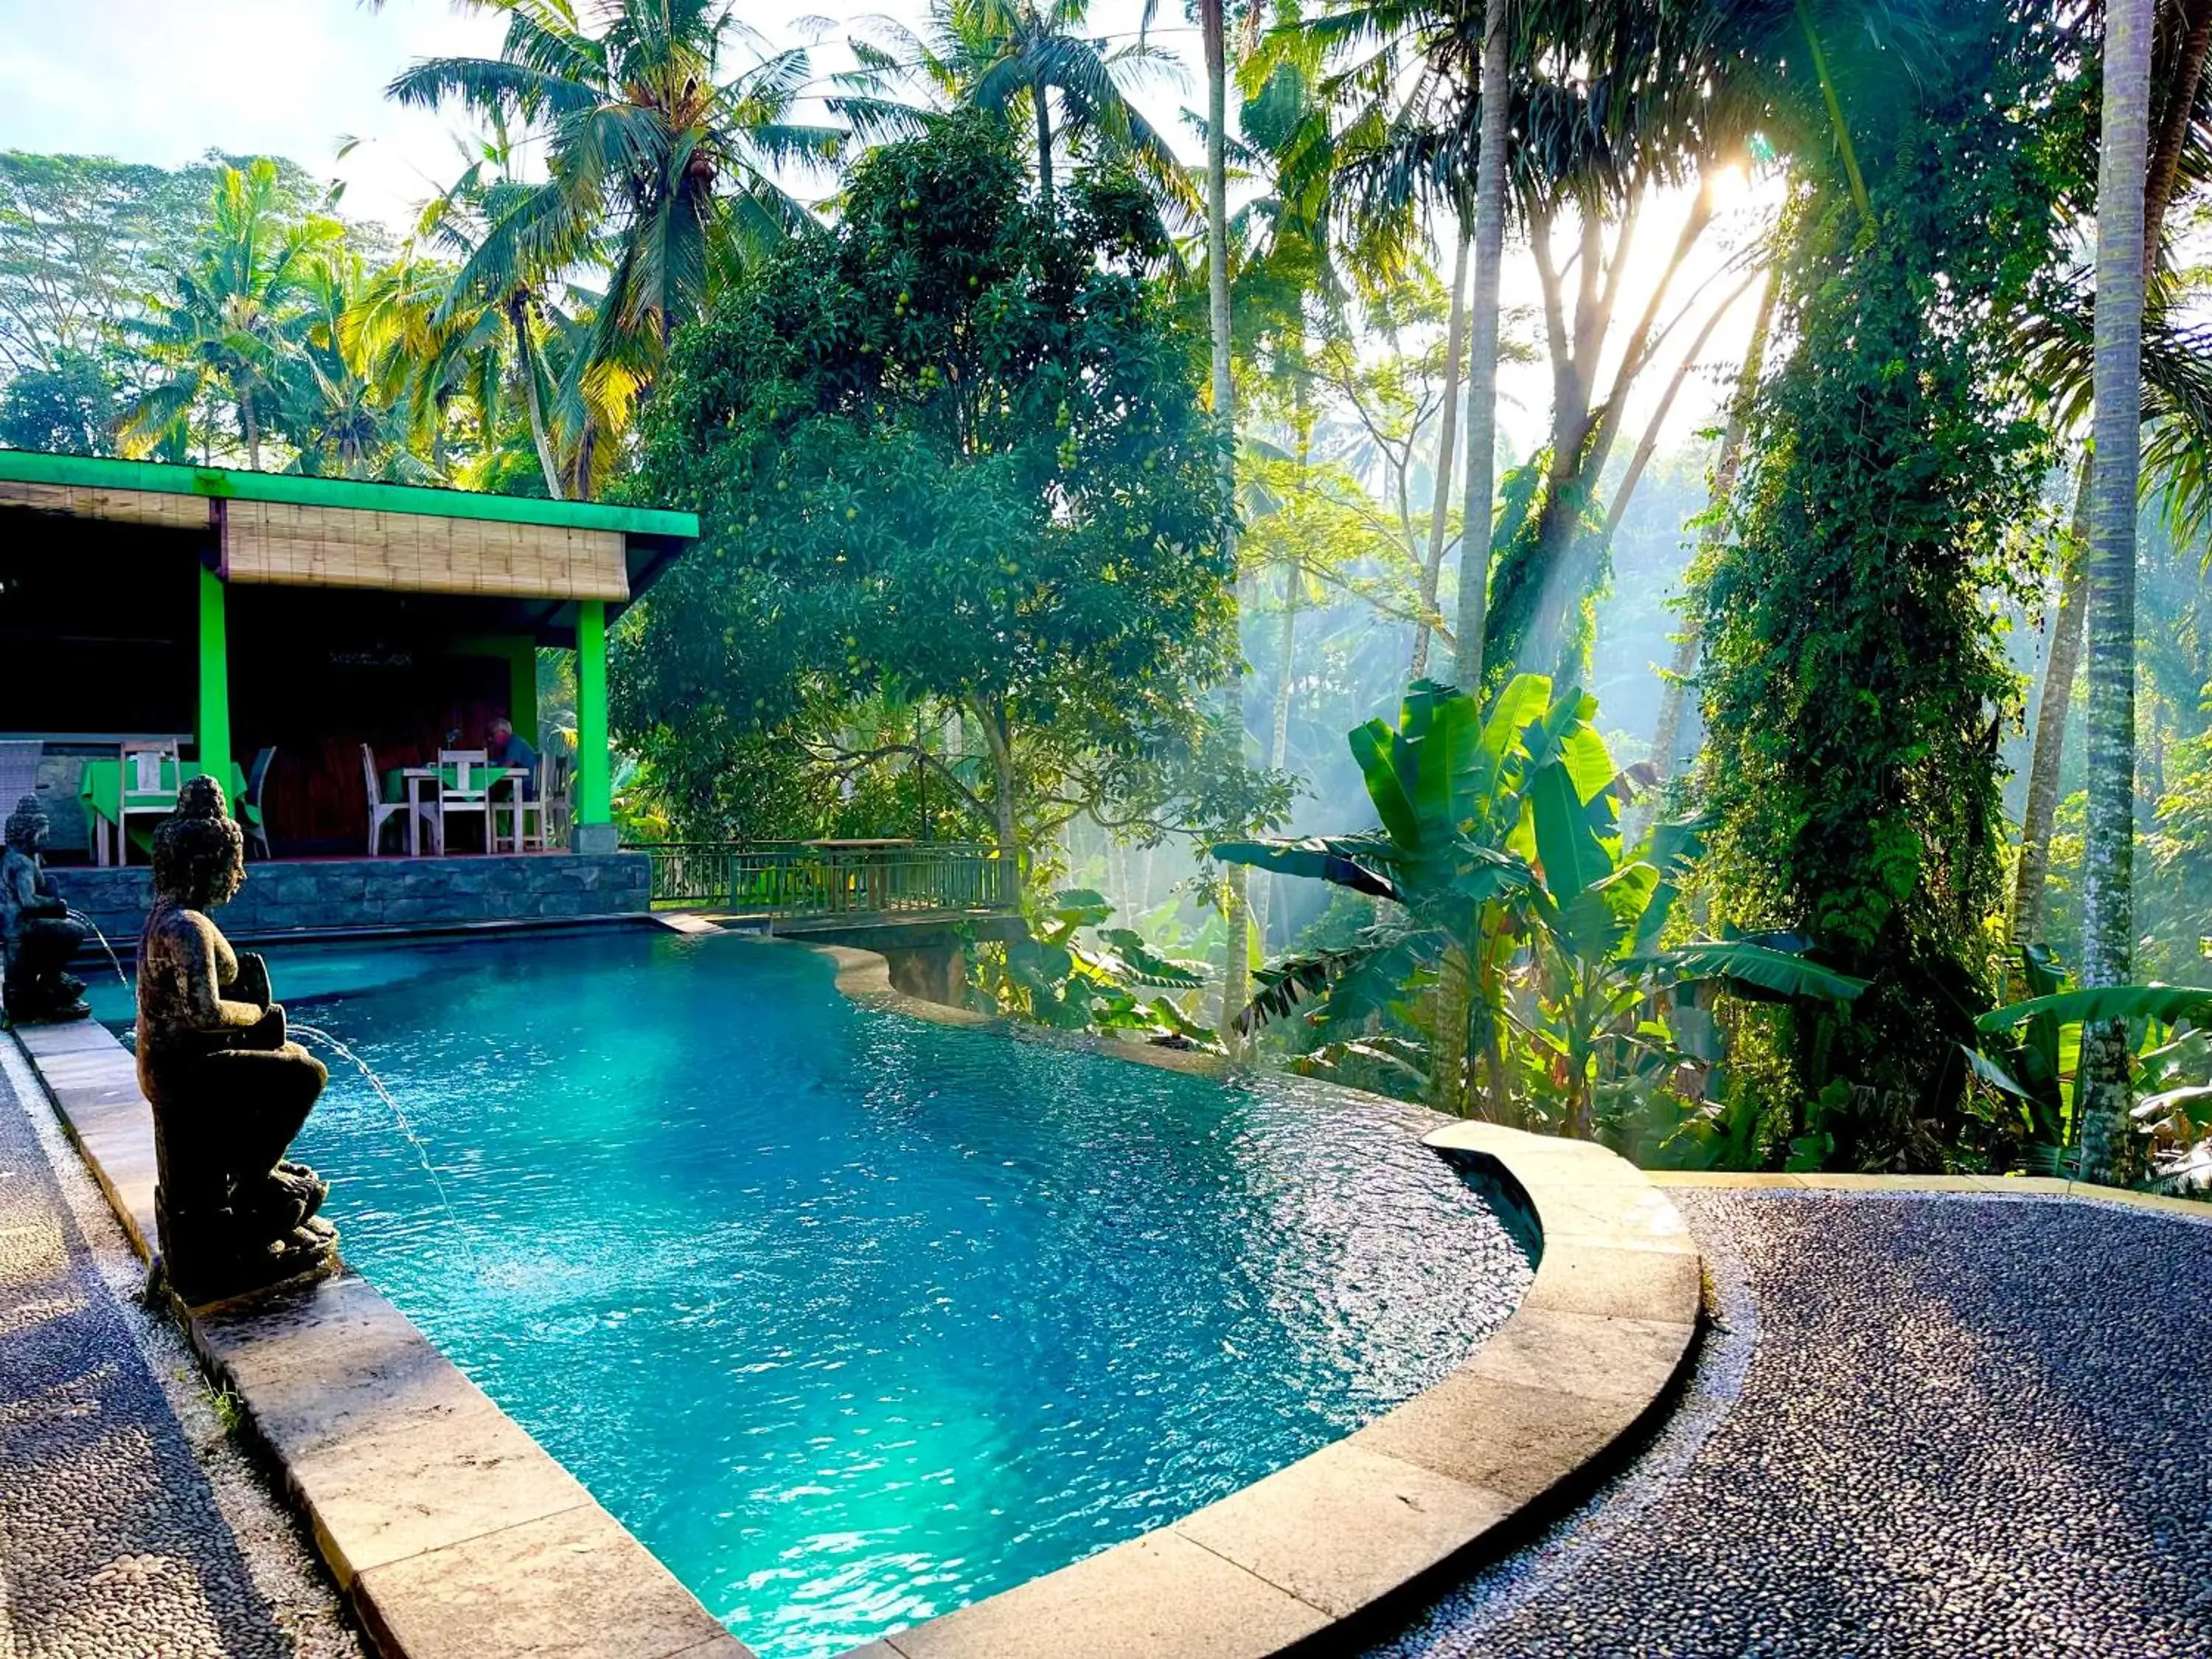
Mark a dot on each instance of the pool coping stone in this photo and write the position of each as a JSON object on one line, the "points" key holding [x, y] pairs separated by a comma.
{"points": [[453, 1532]]}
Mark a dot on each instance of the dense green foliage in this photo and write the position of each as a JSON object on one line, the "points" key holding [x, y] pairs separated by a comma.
{"points": [[953, 449], [1855, 688]]}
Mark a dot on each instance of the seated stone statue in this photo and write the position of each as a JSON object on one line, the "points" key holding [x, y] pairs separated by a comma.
{"points": [[229, 1090], [37, 937]]}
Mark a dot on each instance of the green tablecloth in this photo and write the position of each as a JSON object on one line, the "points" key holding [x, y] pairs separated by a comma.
{"points": [[100, 787]]}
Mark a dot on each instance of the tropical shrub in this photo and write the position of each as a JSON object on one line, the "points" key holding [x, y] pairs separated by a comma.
{"points": [[1515, 937], [1076, 973]]}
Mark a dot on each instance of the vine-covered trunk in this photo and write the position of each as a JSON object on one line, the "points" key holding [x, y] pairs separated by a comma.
{"points": [[1447, 438], [1482, 356], [2064, 662], [2102, 1088]]}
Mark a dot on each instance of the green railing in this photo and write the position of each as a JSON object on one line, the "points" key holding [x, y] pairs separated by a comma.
{"points": [[780, 880]]}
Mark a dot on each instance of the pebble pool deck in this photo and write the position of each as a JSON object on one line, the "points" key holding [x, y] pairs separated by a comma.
{"points": [[1924, 1423], [112, 1544]]}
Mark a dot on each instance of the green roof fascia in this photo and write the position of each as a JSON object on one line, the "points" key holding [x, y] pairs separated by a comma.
{"points": [[162, 478]]}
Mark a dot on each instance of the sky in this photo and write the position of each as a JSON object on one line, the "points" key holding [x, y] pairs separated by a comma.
{"points": [[165, 81]]}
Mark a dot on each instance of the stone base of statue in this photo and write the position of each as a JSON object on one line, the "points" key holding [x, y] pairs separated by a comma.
{"points": [[36, 988], [234, 1213]]}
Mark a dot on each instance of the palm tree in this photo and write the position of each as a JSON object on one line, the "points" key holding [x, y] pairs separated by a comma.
{"points": [[1490, 162], [1025, 62], [428, 342], [237, 315], [2172, 367], [2108, 857], [659, 168], [1213, 34]]}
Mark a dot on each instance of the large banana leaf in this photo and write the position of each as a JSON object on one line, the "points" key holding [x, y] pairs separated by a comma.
{"points": [[2094, 1003], [1137, 961], [1445, 753], [1750, 969], [1568, 847], [1673, 848], [1342, 860], [1374, 746], [1597, 921], [1523, 700]]}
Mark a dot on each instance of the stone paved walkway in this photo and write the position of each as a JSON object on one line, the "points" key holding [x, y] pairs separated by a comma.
{"points": [[1930, 1425], [114, 1539]]}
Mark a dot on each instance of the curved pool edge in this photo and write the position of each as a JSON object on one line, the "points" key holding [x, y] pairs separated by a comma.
{"points": [[1303, 1559]]}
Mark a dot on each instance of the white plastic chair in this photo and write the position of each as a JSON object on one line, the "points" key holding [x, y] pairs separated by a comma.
{"points": [[152, 774], [381, 810], [468, 794], [527, 817]]}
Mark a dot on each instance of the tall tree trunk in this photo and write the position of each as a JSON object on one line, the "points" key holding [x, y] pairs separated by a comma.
{"points": [[2031, 875], [991, 719], [1645, 446], [1236, 981], [251, 428], [2064, 662], [2179, 81], [1666, 743], [1581, 449], [1447, 438], [1482, 354], [1279, 736], [1039, 98], [518, 317], [2102, 1091]]}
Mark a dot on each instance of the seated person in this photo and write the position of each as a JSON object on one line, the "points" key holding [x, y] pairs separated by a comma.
{"points": [[503, 748]]}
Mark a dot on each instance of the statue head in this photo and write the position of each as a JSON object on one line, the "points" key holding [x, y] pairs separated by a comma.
{"points": [[200, 854], [27, 826]]}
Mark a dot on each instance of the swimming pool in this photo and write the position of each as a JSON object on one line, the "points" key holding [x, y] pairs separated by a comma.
{"points": [[854, 1319]]}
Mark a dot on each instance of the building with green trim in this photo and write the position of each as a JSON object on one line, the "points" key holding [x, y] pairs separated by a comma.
{"points": [[229, 612]]}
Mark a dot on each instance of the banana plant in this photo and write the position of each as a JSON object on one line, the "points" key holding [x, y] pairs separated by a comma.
{"points": [[1060, 977], [1499, 850], [2027, 1052]]}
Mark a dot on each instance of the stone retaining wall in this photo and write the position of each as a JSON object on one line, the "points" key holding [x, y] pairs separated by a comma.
{"points": [[324, 896]]}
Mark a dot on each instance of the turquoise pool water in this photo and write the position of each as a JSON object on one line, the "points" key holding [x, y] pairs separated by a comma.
{"points": [[851, 1318]]}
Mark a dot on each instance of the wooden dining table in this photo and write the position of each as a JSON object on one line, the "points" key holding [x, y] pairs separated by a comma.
{"points": [[422, 783]]}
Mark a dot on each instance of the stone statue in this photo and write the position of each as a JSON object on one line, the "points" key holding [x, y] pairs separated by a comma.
{"points": [[229, 1090], [37, 937]]}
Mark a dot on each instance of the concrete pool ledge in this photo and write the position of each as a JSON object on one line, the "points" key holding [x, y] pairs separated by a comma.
{"points": [[453, 1532]]}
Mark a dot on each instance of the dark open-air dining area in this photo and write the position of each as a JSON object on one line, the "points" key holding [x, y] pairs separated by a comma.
{"points": [[356, 663]]}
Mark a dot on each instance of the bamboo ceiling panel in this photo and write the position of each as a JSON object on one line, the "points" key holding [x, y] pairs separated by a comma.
{"points": [[144, 506], [291, 544]]}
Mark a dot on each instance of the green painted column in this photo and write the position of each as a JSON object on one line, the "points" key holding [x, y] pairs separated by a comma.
{"points": [[594, 766], [212, 729]]}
